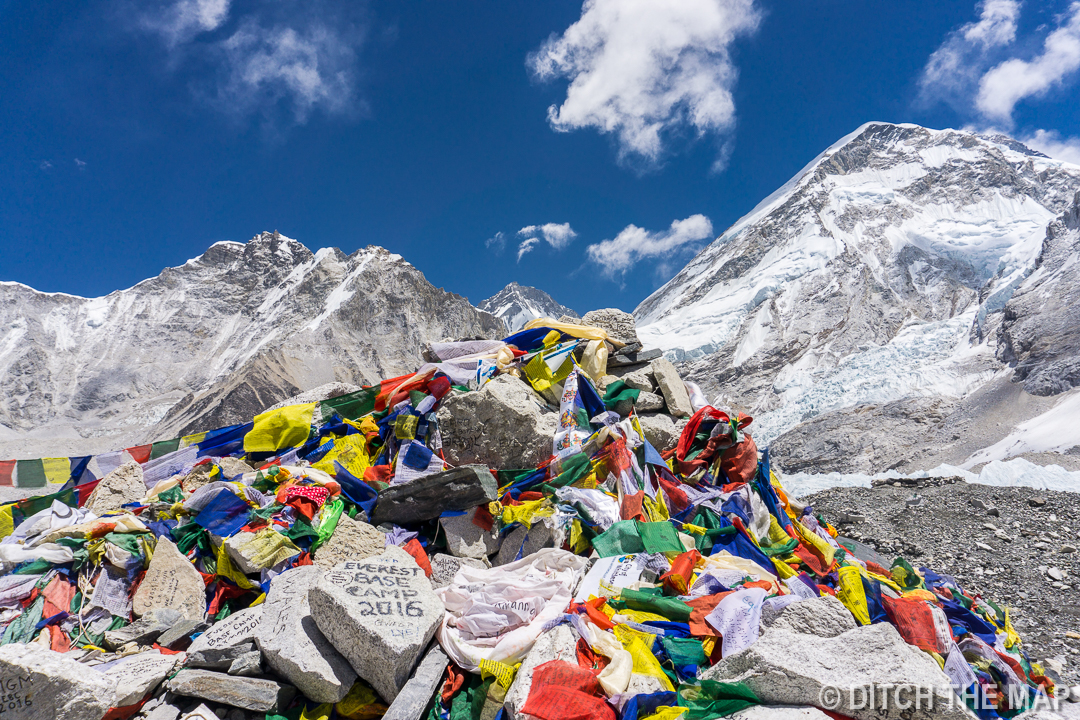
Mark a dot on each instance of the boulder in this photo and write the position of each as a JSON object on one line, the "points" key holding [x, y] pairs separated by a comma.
{"points": [[171, 581], [178, 636], [143, 631], [525, 541], [503, 425], [248, 665], [445, 567], [464, 538], [790, 668], [136, 675], [292, 643], [122, 486], [164, 711], [231, 467], [671, 385], [824, 616], [661, 430], [559, 643], [236, 630], [39, 684], [265, 696], [429, 496], [380, 613], [618, 324], [413, 700], [640, 380], [352, 540], [646, 402]]}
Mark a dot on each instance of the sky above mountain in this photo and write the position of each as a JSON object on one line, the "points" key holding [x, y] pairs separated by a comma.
{"points": [[586, 149]]}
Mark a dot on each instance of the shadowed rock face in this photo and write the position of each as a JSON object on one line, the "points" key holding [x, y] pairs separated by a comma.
{"points": [[877, 277], [1040, 332], [213, 342]]}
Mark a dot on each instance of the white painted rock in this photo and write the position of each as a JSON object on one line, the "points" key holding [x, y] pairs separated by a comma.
{"points": [[137, 675], [237, 629], [171, 582], [379, 613], [788, 668], [39, 684], [292, 643], [122, 486], [824, 616]]}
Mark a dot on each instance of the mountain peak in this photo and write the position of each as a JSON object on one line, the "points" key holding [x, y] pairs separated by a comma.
{"points": [[517, 304]]}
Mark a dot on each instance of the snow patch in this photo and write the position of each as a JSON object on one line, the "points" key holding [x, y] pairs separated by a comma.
{"points": [[1056, 430]]}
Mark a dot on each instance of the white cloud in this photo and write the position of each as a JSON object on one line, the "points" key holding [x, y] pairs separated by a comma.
{"points": [[557, 235], [953, 69], [180, 21], [616, 256], [45, 165], [641, 69], [290, 55], [80, 163], [1050, 142], [310, 68], [497, 243], [1013, 80]]}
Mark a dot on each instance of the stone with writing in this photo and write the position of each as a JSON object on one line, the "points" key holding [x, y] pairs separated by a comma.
{"points": [[237, 629], [137, 675], [292, 643], [171, 582], [352, 540], [379, 613], [39, 684]]}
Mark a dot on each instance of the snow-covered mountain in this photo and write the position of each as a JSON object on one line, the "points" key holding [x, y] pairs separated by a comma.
{"points": [[211, 342], [518, 304], [862, 301]]}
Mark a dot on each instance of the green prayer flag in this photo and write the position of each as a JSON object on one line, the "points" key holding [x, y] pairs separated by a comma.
{"points": [[30, 474], [351, 406], [714, 699], [617, 392], [164, 447], [622, 538], [660, 537]]}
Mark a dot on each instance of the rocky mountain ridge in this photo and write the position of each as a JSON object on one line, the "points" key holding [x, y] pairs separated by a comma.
{"points": [[211, 342]]}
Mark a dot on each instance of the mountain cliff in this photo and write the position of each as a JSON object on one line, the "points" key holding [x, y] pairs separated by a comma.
{"points": [[866, 299], [211, 342]]}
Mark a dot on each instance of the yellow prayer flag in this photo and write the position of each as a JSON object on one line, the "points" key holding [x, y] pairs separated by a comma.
{"points": [[57, 470], [282, 428]]}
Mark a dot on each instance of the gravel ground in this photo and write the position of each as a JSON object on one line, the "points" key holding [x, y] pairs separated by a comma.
{"points": [[1016, 546]]}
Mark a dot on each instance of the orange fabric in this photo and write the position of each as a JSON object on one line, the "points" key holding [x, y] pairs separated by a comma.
{"points": [[739, 463], [414, 548], [631, 508], [702, 606], [915, 623], [677, 580]]}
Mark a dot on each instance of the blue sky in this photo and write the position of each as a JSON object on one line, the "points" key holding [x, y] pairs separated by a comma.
{"points": [[619, 135]]}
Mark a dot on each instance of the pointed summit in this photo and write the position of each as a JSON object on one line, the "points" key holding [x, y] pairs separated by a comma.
{"points": [[518, 304]]}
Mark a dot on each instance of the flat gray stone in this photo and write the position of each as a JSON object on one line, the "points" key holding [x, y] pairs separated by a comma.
{"points": [[143, 631], [413, 700], [39, 684], [640, 380], [789, 668], [292, 643], [247, 693], [559, 643], [201, 713], [237, 629], [122, 486], [428, 497], [671, 386], [220, 658], [352, 540], [171, 582], [661, 430], [379, 613], [165, 711], [137, 675], [464, 538], [445, 567], [646, 402], [178, 636], [525, 540], [247, 665], [630, 359]]}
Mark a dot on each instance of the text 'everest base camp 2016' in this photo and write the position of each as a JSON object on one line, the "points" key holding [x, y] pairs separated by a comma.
{"points": [[826, 470]]}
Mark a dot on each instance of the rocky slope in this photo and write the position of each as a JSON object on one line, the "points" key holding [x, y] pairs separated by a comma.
{"points": [[518, 304], [211, 342], [876, 279]]}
